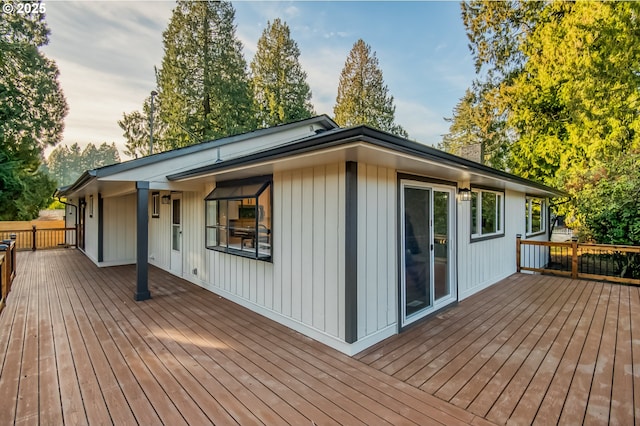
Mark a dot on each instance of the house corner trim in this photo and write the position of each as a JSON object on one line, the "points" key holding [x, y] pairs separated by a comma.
{"points": [[351, 252]]}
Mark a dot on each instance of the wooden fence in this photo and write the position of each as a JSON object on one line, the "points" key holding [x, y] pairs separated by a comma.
{"points": [[616, 263], [41, 238]]}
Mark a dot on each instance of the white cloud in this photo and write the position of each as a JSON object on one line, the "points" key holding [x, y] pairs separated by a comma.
{"points": [[323, 67], [106, 54], [423, 124]]}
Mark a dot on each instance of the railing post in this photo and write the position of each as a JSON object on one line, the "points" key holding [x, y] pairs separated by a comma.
{"points": [[518, 243], [33, 238], [76, 237], [574, 258]]}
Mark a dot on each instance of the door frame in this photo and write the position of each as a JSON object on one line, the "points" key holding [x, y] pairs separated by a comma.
{"points": [[432, 185]]}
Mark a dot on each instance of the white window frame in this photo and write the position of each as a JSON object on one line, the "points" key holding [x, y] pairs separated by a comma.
{"points": [[529, 216], [499, 219], [155, 205]]}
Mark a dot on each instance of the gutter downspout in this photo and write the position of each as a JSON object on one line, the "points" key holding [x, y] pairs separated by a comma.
{"points": [[65, 220]]}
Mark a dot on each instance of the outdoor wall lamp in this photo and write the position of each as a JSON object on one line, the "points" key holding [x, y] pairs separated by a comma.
{"points": [[165, 199], [464, 193]]}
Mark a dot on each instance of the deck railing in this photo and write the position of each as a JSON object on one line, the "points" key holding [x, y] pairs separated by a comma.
{"points": [[41, 238], [616, 263], [7, 269]]}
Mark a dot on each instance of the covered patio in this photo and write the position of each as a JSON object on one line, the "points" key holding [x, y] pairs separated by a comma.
{"points": [[76, 349]]}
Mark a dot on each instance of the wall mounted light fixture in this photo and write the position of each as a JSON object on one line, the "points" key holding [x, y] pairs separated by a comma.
{"points": [[464, 193]]}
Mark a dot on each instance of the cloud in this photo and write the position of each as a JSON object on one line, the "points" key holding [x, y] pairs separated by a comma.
{"points": [[323, 67], [106, 55], [422, 123], [338, 34]]}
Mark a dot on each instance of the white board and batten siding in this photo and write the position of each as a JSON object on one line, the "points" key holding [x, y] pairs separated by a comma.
{"points": [[377, 254], [160, 234], [119, 230], [304, 285], [193, 232], [91, 229], [483, 263]]}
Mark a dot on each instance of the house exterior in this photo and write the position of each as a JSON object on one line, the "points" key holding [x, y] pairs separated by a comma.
{"points": [[345, 235]]}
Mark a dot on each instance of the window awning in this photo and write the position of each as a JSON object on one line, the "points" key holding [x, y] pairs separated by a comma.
{"points": [[235, 190]]}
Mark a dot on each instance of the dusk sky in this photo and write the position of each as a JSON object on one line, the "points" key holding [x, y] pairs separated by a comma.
{"points": [[106, 52]]}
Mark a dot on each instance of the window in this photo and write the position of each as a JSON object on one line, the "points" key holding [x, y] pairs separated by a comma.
{"points": [[238, 218], [487, 213], [155, 204], [535, 216]]}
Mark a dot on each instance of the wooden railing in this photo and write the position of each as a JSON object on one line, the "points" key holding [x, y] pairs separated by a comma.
{"points": [[42, 238], [616, 263], [7, 269]]}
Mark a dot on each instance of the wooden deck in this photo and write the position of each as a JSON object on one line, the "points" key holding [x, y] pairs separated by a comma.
{"points": [[76, 349], [530, 350]]}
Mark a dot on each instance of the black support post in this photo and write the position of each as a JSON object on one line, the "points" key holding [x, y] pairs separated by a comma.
{"points": [[142, 242]]}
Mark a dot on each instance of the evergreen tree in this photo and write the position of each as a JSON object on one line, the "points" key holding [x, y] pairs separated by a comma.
{"points": [[477, 123], [32, 109], [65, 164], [566, 85], [281, 92], [136, 128], [203, 83], [362, 95]]}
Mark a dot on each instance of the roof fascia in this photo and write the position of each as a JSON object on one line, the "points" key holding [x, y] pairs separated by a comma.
{"points": [[366, 134], [322, 120]]}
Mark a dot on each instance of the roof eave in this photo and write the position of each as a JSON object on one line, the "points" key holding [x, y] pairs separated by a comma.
{"points": [[366, 134], [84, 179]]}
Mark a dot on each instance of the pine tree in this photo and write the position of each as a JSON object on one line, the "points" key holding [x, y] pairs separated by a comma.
{"points": [[203, 82], [136, 127], [65, 164], [32, 110], [362, 95], [281, 92]]}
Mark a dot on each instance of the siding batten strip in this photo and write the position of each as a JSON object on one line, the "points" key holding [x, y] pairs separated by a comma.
{"points": [[142, 242], [351, 252]]}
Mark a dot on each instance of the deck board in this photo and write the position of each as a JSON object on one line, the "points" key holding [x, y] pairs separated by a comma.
{"points": [[186, 356], [531, 399], [478, 350], [546, 350], [76, 349]]}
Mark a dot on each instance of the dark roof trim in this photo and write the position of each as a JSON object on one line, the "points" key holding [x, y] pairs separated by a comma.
{"points": [[79, 183], [338, 137], [240, 189], [322, 120]]}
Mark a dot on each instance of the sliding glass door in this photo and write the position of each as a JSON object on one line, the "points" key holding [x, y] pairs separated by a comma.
{"points": [[426, 248]]}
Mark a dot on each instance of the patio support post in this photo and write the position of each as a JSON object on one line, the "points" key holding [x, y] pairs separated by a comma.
{"points": [[142, 242]]}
